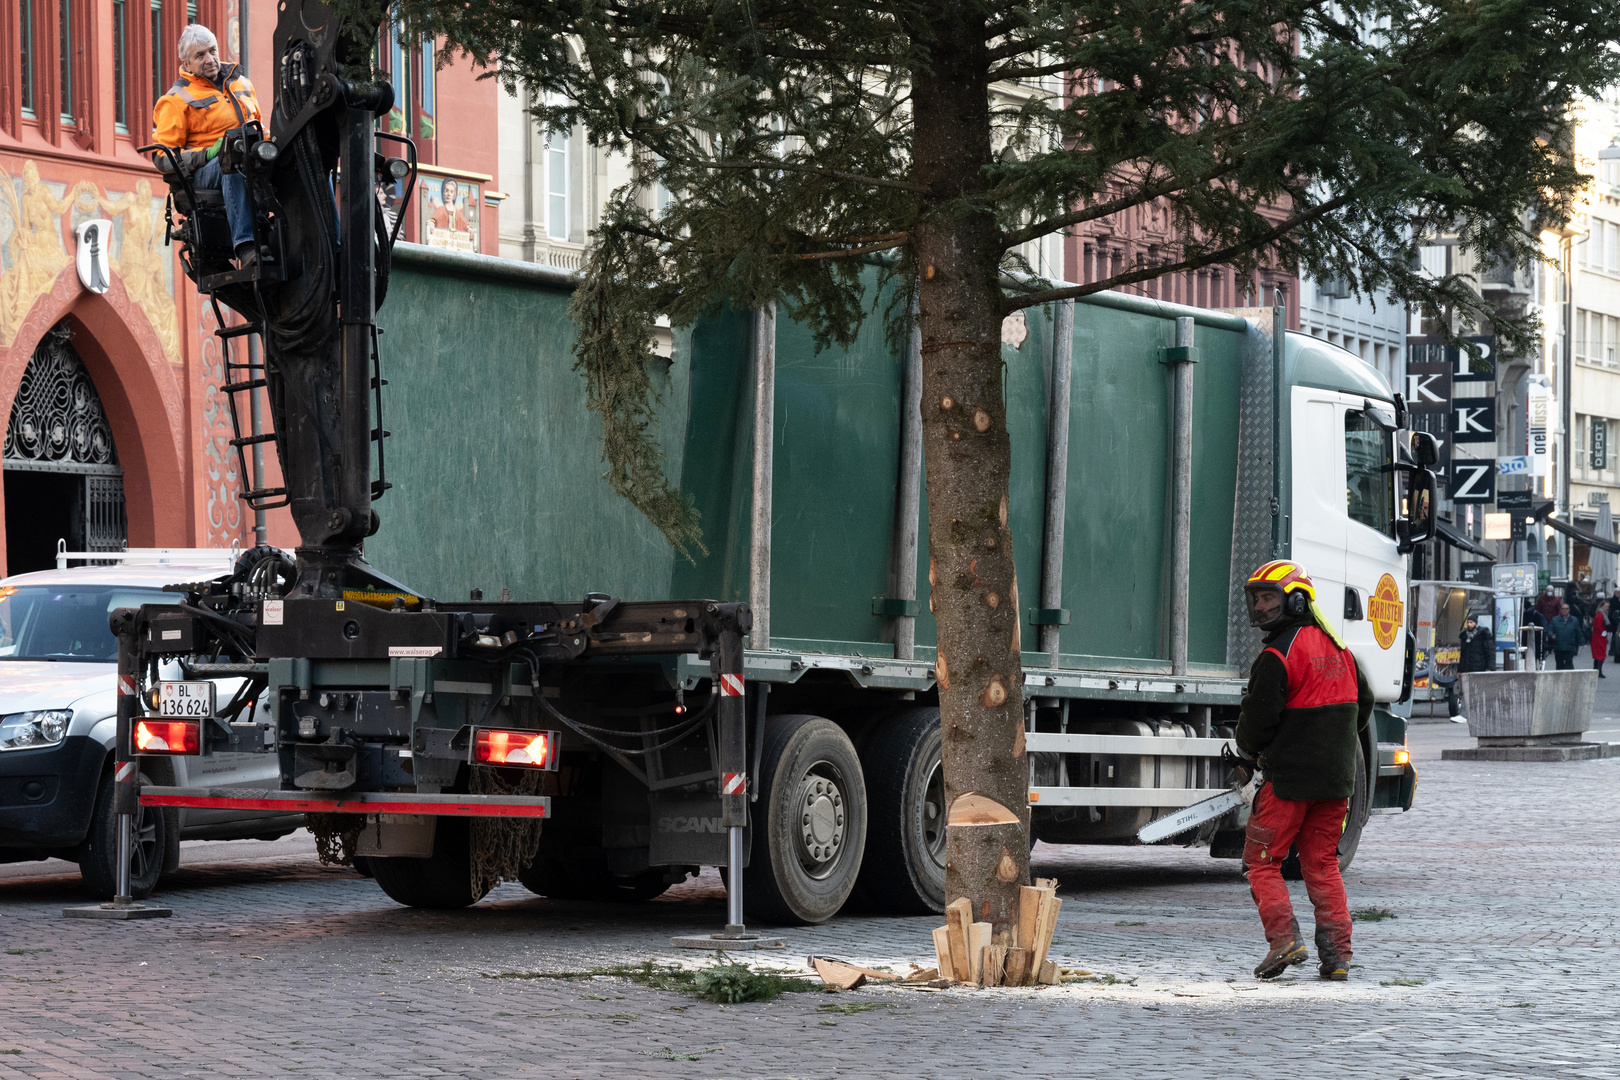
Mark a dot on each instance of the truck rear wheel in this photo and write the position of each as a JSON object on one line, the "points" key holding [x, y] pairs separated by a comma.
{"points": [[809, 825], [443, 880], [904, 867]]}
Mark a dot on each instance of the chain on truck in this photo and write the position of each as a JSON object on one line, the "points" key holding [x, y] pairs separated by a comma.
{"points": [[607, 747]]}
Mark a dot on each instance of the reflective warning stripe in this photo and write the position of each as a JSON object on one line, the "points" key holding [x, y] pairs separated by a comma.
{"points": [[125, 772], [731, 686], [126, 685], [733, 783]]}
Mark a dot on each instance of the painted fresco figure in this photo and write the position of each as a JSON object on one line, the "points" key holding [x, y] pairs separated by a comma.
{"points": [[34, 248], [208, 100]]}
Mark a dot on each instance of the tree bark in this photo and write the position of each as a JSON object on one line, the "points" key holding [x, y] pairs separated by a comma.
{"points": [[973, 586]]}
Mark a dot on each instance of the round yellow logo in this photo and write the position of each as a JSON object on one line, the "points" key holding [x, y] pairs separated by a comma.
{"points": [[1386, 612]]}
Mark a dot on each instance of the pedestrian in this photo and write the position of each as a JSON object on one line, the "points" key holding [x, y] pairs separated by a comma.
{"points": [[1476, 648], [1566, 638], [1533, 617], [1303, 713], [1548, 603], [1600, 638]]}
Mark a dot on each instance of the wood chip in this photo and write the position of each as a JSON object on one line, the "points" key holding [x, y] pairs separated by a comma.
{"points": [[1049, 974], [833, 973], [978, 941], [993, 965], [1017, 967], [870, 973], [958, 917]]}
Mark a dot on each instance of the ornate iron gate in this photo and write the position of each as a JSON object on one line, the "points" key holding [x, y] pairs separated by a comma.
{"points": [[58, 425]]}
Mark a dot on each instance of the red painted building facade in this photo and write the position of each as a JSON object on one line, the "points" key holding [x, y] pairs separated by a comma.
{"points": [[103, 390]]}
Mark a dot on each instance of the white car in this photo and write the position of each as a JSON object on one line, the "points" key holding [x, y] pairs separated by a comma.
{"points": [[58, 713]]}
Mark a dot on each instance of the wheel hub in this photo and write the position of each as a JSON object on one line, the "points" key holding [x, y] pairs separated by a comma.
{"points": [[822, 821]]}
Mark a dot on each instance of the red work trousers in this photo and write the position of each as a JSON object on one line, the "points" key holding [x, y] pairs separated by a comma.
{"points": [[1275, 826]]}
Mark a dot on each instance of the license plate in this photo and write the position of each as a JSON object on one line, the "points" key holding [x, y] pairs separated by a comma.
{"points": [[188, 699]]}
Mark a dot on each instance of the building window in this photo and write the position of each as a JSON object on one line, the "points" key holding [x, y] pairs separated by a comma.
{"points": [[65, 39], [555, 155], [159, 86], [27, 27], [120, 67], [426, 128]]}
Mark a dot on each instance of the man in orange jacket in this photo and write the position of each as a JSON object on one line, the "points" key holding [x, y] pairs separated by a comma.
{"points": [[206, 101], [1303, 714]]}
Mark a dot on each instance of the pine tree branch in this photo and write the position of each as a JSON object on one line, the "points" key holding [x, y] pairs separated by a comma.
{"points": [[1112, 206], [1197, 262], [814, 170], [867, 249]]}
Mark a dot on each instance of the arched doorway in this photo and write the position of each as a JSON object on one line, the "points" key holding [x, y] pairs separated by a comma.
{"points": [[62, 478]]}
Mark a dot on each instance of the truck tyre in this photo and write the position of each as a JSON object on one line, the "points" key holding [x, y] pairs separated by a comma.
{"points": [[1355, 820], [98, 854], [443, 880], [904, 867], [809, 825]]}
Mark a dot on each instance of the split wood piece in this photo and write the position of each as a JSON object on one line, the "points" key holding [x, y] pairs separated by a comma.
{"points": [[1005, 939], [1017, 967], [870, 973], [1047, 883], [833, 973], [942, 950], [993, 965], [958, 917], [923, 975], [1043, 930], [1049, 973], [978, 940], [1029, 908]]}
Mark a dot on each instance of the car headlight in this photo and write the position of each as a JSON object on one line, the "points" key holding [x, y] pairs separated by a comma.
{"points": [[27, 730]]}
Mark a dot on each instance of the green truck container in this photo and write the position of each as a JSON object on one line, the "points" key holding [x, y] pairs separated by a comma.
{"points": [[1135, 652]]}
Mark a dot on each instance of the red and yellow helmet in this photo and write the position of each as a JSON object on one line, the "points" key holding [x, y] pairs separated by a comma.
{"points": [[1284, 576], [1289, 581]]}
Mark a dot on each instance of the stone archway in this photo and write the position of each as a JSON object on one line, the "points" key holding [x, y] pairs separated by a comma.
{"points": [[140, 393], [63, 484]]}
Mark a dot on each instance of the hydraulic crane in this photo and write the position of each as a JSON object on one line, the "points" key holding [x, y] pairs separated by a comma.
{"points": [[423, 734]]}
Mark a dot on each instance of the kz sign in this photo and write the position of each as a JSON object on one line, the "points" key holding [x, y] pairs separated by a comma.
{"points": [[1472, 481], [1475, 419]]}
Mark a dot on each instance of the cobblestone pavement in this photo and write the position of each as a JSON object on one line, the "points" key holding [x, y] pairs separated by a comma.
{"points": [[1500, 960]]}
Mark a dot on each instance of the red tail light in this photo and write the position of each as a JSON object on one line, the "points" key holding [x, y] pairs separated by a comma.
{"points": [[168, 736], [533, 749]]}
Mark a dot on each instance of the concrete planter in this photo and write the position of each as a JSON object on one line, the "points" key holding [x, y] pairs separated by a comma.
{"points": [[1528, 707], [1529, 716]]}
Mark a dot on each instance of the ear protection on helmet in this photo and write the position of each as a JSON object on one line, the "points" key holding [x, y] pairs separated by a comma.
{"points": [[1296, 603]]}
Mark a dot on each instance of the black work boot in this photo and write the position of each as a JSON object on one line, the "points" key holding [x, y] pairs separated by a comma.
{"points": [[1283, 955], [1332, 966]]}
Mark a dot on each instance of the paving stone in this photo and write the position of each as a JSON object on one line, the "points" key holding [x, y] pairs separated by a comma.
{"points": [[1501, 881]]}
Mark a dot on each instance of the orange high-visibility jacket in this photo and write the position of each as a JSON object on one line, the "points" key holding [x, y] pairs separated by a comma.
{"points": [[196, 112]]}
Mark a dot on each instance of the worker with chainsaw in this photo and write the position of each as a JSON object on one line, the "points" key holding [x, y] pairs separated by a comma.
{"points": [[208, 100], [1303, 713]]}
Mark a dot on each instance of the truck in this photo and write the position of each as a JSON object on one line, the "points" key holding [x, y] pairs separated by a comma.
{"points": [[782, 724]]}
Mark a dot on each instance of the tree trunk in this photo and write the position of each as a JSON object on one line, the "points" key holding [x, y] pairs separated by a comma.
{"points": [[973, 587]]}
